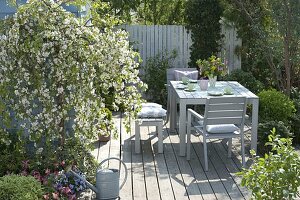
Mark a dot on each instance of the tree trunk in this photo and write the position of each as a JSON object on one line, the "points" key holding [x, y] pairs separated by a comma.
{"points": [[287, 54]]}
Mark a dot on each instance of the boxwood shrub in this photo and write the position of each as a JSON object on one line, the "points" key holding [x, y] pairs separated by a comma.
{"points": [[15, 187], [275, 106]]}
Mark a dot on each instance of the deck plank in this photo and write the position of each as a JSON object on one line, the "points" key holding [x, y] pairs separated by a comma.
{"points": [[169, 176], [152, 187], [138, 176], [232, 168], [211, 174], [164, 182], [192, 188], [177, 181], [226, 178], [126, 192]]}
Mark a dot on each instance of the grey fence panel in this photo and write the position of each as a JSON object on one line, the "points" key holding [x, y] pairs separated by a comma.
{"points": [[151, 40]]}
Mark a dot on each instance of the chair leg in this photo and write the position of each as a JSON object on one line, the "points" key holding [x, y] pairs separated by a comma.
{"points": [[188, 138], [229, 147], [160, 137], [243, 151], [137, 141], [205, 154]]}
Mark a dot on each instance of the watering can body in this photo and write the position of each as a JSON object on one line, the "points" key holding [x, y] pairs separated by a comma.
{"points": [[107, 181], [107, 184]]}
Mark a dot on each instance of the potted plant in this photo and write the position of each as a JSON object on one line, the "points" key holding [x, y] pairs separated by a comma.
{"points": [[211, 68]]}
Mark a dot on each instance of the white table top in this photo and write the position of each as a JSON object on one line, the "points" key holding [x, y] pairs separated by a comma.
{"points": [[236, 88]]}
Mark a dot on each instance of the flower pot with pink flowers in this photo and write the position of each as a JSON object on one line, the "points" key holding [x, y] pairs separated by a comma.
{"points": [[211, 68]]}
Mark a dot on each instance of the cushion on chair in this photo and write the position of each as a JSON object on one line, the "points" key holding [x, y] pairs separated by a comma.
{"points": [[151, 105], [190, 74], [152, 110], [221, 128]]}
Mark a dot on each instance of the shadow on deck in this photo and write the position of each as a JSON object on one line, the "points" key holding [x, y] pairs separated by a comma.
{"points": [[154, 176]]}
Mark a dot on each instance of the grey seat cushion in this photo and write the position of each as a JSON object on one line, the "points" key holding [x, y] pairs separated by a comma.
{"points": [[152, 110]]}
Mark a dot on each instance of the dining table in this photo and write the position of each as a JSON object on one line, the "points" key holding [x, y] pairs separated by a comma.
{"points": [[180, 94]]}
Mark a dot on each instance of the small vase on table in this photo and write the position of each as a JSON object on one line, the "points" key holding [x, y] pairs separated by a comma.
{"points": [[212, 81]]}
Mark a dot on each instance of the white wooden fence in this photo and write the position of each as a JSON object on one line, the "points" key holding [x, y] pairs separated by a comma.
{"points": [[151, 40]]}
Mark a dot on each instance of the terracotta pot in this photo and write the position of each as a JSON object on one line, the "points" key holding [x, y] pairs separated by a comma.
{"points": [[104, 138]]}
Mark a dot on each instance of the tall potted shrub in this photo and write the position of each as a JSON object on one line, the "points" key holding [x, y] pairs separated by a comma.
{"points": [[56, 72]]}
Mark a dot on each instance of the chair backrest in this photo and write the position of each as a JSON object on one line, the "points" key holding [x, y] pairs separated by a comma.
{"points": [[225, 110], [171, 73]]}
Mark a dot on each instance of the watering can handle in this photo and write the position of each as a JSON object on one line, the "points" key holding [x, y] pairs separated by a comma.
{"points": [[121, 161]]}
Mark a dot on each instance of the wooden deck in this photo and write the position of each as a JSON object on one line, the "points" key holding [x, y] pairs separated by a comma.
{"points": [[154, 176]]}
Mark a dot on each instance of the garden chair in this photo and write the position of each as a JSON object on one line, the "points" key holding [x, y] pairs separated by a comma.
{"points": [[152, 114], [175, 74], [224, 118]]}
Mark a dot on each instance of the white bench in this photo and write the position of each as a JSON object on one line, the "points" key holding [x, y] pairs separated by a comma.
{"points": [[152, 114]]}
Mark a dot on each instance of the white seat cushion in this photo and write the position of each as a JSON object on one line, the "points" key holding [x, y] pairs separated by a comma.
{"points": [[151, 105], [190, 74], [221, 128], [152, 110]]}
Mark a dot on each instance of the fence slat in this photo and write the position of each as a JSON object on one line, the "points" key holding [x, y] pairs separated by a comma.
{"points": [[151, 40]]}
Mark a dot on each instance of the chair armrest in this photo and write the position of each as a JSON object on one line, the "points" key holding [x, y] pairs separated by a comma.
{"points": [[195, 114]]}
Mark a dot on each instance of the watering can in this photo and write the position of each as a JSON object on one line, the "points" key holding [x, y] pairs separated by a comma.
{"points": [[107, 181]]}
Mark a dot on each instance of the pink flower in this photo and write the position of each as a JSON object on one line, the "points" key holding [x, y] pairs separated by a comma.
{"points": [[25, 164], [24, 173], [66, 190], [37, 175], [71, 197], [47, 172], [46, 196], [56, 172], [44, 180], [55, 195], [62, 163]]}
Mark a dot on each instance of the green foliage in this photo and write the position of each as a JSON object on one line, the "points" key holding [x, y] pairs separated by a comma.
{"points": [[161, 12], [12, 153], [270, 32], [140, 11], [275, 106], [155, 77], [277, 174], [203, 20], [14, 187], [246, 79], [295, 121], [264, 132]]}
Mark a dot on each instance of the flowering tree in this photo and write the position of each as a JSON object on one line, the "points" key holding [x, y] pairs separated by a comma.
{"points": [[57, 71]]}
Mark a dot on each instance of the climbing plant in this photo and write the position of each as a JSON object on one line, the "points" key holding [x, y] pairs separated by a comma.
{"points": [[203, 20]]}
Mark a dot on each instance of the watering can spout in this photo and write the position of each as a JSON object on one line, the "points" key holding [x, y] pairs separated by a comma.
{"points": [[91, 186]]}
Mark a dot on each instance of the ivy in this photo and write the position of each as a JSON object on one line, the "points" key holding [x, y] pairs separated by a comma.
{"points": [[203, 20]]}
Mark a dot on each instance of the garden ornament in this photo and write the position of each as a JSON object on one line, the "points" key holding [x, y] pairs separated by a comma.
{"points": [[107, 181]]}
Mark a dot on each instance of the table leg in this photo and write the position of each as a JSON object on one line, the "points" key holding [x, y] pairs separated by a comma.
{"points": [[182, 128], [254, 124], [173, 110]]}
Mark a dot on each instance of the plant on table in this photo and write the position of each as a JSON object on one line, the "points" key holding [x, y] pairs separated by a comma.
{"points": [[277, 174], [211, 67]]}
